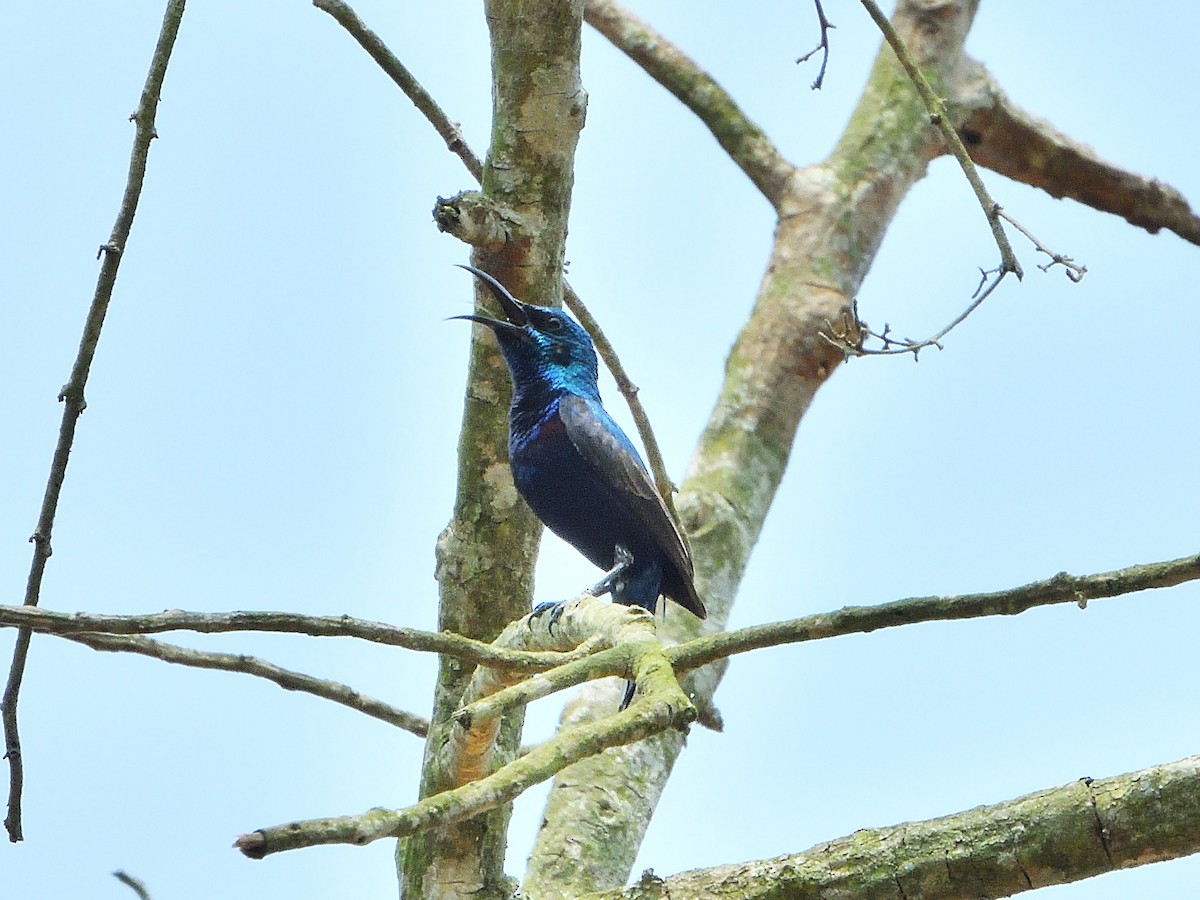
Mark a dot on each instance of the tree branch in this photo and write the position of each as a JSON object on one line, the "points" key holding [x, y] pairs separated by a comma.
{"points": [[396, 70], [1013, 142], [940, 118], [747, 144], [644, 718], [444, 643], [72, 393], [1062, 588], [623, 640], [1056, 836], [250, 665]]}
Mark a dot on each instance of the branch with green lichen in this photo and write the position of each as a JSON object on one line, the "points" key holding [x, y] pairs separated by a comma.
{"points": [[1064, 834], [664, 708], [1061, 588]]}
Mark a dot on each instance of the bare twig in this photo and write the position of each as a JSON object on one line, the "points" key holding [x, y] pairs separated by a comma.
{"points": [[1062, 588], [445, 643], [629, 390], [941, 119], [134, 884], [1072, 269], [396, 70], [250, 665], [849, 337], [826, 25], [72, 393]]}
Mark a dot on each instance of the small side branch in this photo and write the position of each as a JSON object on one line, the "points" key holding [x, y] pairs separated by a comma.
{"points": [[250, 665], [72, 393], [629, 390], [822, 47], [396, 70], [851, 334], [941, 120], [1075, 271]]}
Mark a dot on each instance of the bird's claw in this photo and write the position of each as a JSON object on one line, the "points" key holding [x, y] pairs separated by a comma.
{"points": [[630, 690], [556, 608], [622, 559]]}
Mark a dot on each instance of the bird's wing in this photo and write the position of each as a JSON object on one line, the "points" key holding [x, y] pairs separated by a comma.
{"points": [[605, 447]]}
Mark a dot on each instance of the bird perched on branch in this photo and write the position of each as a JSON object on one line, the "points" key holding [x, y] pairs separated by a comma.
{"points": [[575, 467]]}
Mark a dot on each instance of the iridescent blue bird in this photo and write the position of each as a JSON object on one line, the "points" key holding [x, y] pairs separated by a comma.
{"points": [[575, 467]]}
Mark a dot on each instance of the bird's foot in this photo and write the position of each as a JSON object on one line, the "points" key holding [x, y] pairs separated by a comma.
{"points": [[555, 607], [622, 559]]}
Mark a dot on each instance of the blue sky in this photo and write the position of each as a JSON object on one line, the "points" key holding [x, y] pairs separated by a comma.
{"points": [[274, 407]]}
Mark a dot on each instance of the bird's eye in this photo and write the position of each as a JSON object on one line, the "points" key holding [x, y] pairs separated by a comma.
{"points": [[553, 324]]}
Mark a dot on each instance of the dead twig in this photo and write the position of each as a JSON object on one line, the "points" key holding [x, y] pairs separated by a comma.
{"points": [[823, 46], [72, 393]]}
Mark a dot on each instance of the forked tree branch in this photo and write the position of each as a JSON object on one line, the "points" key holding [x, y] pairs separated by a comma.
{"points": [[72, 393], [668, 709]]}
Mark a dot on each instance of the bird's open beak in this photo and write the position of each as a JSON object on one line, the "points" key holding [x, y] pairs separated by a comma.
{"points": [[513, 308]]}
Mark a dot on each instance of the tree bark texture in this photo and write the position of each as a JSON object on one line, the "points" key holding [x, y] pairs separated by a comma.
{"points": [[487, 552]]}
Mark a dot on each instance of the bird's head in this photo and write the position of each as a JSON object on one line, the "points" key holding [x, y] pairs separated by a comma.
{"points": [[540, 344]]}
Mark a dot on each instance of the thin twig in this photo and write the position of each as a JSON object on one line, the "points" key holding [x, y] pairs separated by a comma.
{"points": [[629, 390], [849, 338], [396, 70], [941, 119], [250, 665], [826, 25], [72, 393], [1073, 270], [1062, 588], [446, 643]]}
